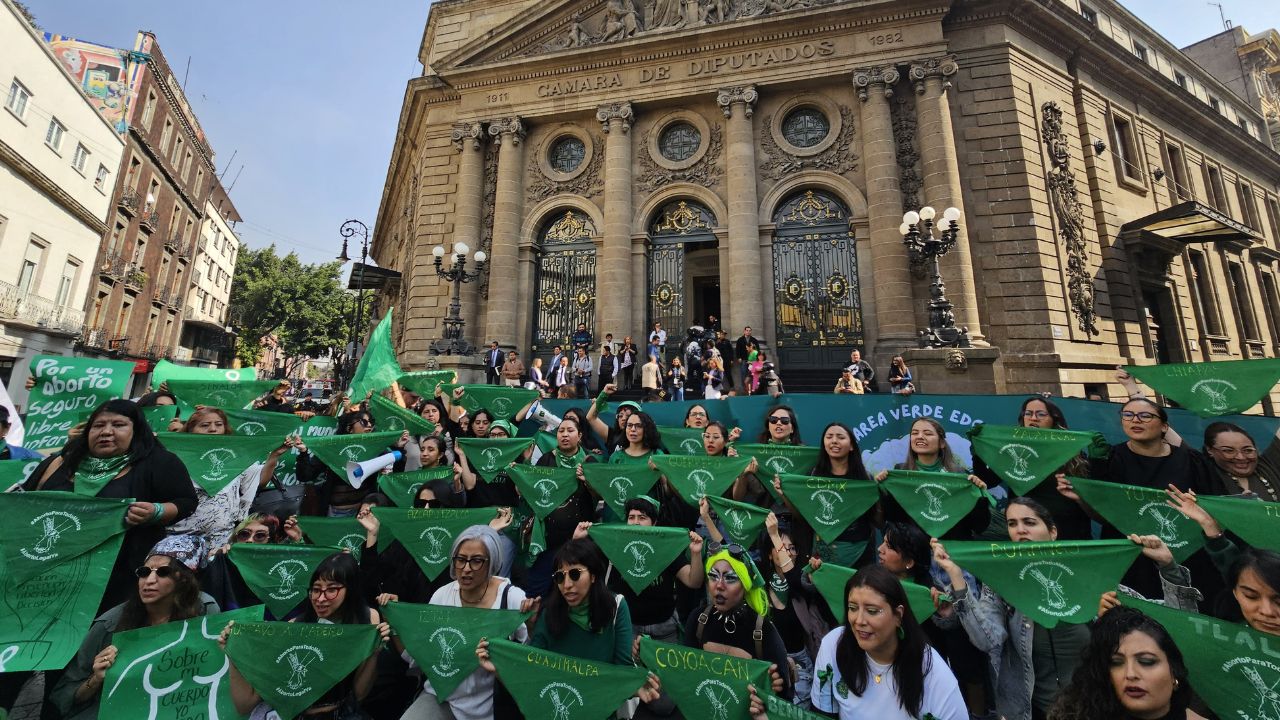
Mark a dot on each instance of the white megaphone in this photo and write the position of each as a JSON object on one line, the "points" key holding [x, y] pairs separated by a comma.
{"points": [[358, 471]]}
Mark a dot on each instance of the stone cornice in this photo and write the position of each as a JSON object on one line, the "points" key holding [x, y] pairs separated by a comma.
{"points": [[197, 208], [33, 175]]}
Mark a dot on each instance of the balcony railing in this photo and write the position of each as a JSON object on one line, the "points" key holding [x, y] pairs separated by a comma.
{"points": [[158, 352], [175, 301], [206, 354], [150, 220], [20, 307], [129, 201], [185, 251], [135, 277], [173, 242], [95, 338], [113, 267]]}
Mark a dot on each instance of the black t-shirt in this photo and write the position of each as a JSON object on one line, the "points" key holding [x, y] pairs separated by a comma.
{"points": [[737, 629], [657, 602], [1182, 468], [560, 523]]}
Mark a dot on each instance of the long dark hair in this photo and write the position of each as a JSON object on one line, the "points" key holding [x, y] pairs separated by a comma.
{"points": [[1037, 508], [348, 420], [439, 443], [911, 663], [482, 411], [589, 440], [909, 541], [151, 398], [186, 600], [601, 605], [1091, 693], [724, 433], [1077, 465], [143, 443], [795, 424], [340, 568], [1265, 563], [945, 456], [856, 468], [651, 440]]}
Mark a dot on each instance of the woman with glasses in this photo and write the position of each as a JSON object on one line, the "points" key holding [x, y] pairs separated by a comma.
{"points": [[639, 440], [781, 427], [1237, 464], [221, 578], [337, 496], [166, 591], [614, 435], [928, 451]]}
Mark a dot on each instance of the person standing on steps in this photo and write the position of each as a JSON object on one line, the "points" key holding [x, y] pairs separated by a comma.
{"points": [[743, 346], [862, 371], [492, 363], [512, 370]]}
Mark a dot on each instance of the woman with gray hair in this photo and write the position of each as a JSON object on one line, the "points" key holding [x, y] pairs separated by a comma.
{"points": [[476, 551]]}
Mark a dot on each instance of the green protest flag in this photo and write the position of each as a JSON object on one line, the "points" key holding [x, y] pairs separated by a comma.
{"points": [[501, 401], [215, 393], [336, 450], [214, 461], [443, 639], [1141, 511], [47, 527], [344, 533], [391, 416], [1211, 389], [829, 505], [1049, 582], [682, 441], [173, 671], [403, 487], [742, 521], [425, 382], [292, 665], [260, 422], [16, 472], [935, 500], [165, 371], [640, 552], [830, 580], [66, 389], [377, 368], [777, 459], [537, 541], [158, 416], [544, 488], [545, 441], [1253, 520], [428, 533], [487, 457], [697, 477], [278, 574], [705, 684], [548, 684], [618, 483], [783, 709], [1233, 668], [1024, 457], [320, 426]]}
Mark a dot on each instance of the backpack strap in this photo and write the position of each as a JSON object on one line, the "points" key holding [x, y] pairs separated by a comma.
{"points": [[49, 471], [703, 617], [758, 636], [506, 590]]}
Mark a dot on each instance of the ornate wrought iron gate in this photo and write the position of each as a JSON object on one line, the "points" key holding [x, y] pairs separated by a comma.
{"points": [[677, 225], [566, 280]]}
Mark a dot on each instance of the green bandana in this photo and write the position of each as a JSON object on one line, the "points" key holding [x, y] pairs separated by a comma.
{"points": [[443, 639], [67, 389], [638, 552], [742, 521], [829, 505], [213, 393], [544, 488], [213, 461], [165, 671], [705, 684], [783, 709], [1025, 457], [488, 457], [1233, 668], [377, 368], [292, 665], [537, 541], [1213, 388], [16, 472], [391, 416], [335, 451], [428, 534], [1141, 511], [259, 422], [618, 483], [775, 459], [545, 441], [550, 685], [581, 616], [697, 477], [403, 487], [682, 441], [344, 533], [1049, 582], [830, 580], [502, 402], [278, 574], [93, 473], [935, 500], [424, 383], [1253, 520], [47, 528], [158, 417], [165, 371]]}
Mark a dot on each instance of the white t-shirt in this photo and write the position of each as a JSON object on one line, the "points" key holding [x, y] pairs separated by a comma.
{"points": [[880, 700]]}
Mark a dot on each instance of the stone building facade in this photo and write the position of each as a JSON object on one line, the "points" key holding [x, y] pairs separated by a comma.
{"points": [[1249, 64], [625, 162]]}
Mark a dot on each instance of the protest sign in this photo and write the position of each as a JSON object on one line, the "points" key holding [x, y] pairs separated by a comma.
{"points": [[442, 640], [67, 389], [278, 574], [550, 685], [639, 552]]}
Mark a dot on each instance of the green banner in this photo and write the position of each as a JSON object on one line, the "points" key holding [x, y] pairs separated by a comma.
{"points": [[237, 395], [1254, 521], [66, 390], [403, 487], [159, 416], [544, 488], [1142, 511], [292, 665], [618, 483], [165, 371], [173, 671], [639, 552], [501, 401], [390, 416], [829, 505], [428, 533], [336, 450], [697, 477], [935, 500], [1233, 668], [1049, 582], [682, 441], [47, 528], [1024, 457], [16, 472], [705, 684], [550, 685], [1213, 388], [214, 461], [777, 459], [830, 580], [488, 457], [258, 422], [344, 533], [278, 574], [377, 368], [443, 639], [425, 382], [742, 521]]}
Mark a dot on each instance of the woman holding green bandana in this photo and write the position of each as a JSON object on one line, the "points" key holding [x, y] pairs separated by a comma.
{"points": [[614, 436], [559, 524]]}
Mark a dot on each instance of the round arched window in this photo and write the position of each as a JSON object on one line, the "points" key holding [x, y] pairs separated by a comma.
{"points": [[679, 141], [805, 127], [567, 154]]}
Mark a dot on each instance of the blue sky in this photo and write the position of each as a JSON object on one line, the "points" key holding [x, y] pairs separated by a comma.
{"points": [[307, 94]]}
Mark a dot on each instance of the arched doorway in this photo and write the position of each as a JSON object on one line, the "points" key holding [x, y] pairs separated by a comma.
{"points": [[815, 273], [566, 278], [684, 268]]}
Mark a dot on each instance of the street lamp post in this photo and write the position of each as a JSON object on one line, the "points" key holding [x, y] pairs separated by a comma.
{"points": [[917, 233], [454, 342], [350, 229]]}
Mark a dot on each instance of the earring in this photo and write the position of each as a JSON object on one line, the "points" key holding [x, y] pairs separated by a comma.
{"points": [[1175, 683]]}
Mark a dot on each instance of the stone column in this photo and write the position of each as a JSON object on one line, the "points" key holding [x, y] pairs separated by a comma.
{"points": [[502, 305], [468, 208], [745, 306], [942, 181], [613, 274], [895, 317]]}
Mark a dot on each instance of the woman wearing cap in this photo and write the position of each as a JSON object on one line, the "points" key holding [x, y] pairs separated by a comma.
{"points": [[167, 591]]}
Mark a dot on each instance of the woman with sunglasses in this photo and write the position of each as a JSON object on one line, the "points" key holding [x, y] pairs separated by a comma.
{"points": [[337, 496], [166, 591], [781, 427], [559, 524]]}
